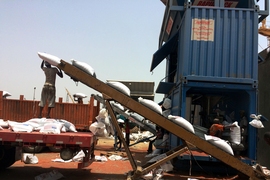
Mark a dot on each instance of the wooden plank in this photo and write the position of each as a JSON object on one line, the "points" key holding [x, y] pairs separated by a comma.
{"points": [[120, 134]]}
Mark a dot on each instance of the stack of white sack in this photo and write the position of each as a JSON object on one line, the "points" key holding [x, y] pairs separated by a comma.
{"points": [[43, 125], [3, 124], [102, 127], [20, 127]]}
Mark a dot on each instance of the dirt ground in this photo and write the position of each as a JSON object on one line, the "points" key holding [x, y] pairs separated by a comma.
{"points": [[108, 170]]}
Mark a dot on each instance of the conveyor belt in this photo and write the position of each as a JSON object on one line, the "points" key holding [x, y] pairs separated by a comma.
{"points": [[133, 117], [109, 93]]}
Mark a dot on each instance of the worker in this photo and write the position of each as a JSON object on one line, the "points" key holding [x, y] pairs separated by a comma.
{"points": [[48, 91], [217, 129], [243, 127], [267, 137], [127, 131], [78, 99], [158, 138], [117, 139]]}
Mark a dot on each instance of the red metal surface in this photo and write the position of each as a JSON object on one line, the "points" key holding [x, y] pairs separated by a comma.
{"points": [[81, 139], [81, 115]]}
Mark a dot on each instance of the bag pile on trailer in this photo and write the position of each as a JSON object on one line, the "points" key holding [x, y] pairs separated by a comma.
{"points": [[42, 125]]}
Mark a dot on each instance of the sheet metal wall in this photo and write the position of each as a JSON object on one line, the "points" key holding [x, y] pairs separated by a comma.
{"points": [[81, 115], [232, 56]]}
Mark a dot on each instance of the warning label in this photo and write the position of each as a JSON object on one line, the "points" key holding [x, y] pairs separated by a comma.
{"points": [[202, 29]]}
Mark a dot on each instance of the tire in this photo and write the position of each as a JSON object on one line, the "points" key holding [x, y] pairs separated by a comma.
{"points": [[55, 149], [32, 149], [66, 154], [7, 156]]}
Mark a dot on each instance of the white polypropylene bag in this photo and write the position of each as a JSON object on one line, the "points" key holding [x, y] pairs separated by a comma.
{"points": [[30, 158], [182, 122], [5, 94], [120, 87], [20, 127], [51, 128], [98, 128], [235, 134], [167, 103], [219, 143], [79, 157], [53, 60], [3, 123], [256, 123], [150, 104], [79, 95], [84, 67], [70, 127]]}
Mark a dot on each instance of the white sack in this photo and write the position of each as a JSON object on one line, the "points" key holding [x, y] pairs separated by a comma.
{"points": [[53, 60], [167, 103], [78, 157], [98, 129], [30, 158], [219, 143], [84, 67], [69, 127], [20, 127], [6, 94], [150, 104], [79, 95], [51, 128], [235, 134], [182, 122], [256, 123], [3, 123], [120, 87]]}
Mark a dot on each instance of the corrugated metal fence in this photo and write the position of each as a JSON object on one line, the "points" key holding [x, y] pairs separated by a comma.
{"points": [[81, 115]]}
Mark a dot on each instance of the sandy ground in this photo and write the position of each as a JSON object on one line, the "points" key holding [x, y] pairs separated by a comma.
{"points": [[109, 170]]}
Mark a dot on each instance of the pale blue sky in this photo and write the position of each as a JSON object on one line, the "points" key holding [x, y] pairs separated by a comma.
{"points": [[117, 38]]}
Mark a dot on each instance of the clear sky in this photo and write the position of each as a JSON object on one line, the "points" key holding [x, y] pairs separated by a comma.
{"points": [[117, 38]]}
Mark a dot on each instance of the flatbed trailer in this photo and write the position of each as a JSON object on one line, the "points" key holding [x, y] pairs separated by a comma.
{"points": [[111, 94], [68, 142]]}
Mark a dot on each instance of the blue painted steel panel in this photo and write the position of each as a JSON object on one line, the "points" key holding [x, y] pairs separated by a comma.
{"points": [[237, 97], [223, 62], [231, 54]]}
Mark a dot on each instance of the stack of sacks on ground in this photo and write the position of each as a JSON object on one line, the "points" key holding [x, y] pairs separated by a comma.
{"points": [[102, 127], [42, 125]]}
